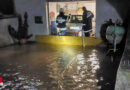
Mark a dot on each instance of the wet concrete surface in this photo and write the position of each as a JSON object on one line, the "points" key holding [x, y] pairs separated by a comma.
{"points": [[123, 73], [44, 67]]}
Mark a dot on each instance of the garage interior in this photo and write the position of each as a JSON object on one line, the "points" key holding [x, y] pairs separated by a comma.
{"points": [[44, 61]]}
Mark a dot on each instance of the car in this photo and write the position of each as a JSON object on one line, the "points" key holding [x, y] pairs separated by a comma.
{"points": [[74, 24]]}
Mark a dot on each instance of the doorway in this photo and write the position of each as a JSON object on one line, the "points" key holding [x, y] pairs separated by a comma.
{"points": [[70, 8]]}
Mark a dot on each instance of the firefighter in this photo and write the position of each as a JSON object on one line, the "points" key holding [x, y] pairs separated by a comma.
{"points": [[87, 21], [61, 22]]}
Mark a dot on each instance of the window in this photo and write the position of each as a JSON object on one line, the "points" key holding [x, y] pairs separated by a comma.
{"points": [[76, 19]]}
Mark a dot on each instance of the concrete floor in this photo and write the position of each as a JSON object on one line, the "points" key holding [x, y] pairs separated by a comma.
{"points": [[44, 67]]}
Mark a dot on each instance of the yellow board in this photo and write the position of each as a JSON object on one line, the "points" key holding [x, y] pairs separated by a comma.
{"points": [[67, 40]]}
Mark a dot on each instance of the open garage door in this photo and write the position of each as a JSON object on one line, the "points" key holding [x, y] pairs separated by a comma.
{"points": [[73, 8]]}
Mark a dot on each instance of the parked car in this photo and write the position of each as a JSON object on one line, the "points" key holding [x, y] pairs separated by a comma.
{"points": [[74, 24]]}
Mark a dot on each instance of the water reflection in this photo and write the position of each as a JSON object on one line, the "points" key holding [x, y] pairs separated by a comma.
{"points": [[78, 71], [47, 68], [14, 80]]}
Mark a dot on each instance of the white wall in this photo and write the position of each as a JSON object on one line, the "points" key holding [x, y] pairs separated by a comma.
{"points": [[104, 11], [5, 38], [34, 8]]}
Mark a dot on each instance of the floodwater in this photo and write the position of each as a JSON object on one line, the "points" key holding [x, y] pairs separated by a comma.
{"points": [[46, 67]]}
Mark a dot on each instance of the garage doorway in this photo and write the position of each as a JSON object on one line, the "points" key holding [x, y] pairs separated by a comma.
{"points": [[70, 8]]}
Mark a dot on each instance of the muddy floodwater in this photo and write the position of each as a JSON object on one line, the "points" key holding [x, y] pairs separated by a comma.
{"points": [[49, 67]]}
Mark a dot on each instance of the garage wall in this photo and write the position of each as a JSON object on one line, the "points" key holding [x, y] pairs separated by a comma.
{"points": [[105, 11], [34, 8], [5, 38]]}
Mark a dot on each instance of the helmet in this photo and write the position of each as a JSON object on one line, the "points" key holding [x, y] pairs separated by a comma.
{"points": [[61, 10]]}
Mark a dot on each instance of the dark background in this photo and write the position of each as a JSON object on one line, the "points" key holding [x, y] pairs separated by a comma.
{"points": [[122, 7], [7, 7], [67, 0]]}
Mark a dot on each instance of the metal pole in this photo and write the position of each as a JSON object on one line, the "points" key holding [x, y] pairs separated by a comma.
{"points": [[115, 38], [83, 42]]}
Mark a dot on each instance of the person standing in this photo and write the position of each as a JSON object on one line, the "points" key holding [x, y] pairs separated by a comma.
{"points": [[53, 23], [87, 21], [61, 22]]}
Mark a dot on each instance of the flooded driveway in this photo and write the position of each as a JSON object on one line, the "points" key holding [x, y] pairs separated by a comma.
{"points": [[46, 67]]}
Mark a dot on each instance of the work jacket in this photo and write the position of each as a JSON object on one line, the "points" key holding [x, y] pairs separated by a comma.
{"points": [[61, 21], [87, 19]]}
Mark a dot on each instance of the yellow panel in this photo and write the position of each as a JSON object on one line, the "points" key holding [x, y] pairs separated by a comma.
{"points": [[67, 40]]}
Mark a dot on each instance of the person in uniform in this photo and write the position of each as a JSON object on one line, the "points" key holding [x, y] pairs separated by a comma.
{"points": [[61, 22], [87, 21]]}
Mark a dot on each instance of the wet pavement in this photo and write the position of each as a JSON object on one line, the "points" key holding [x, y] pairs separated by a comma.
{"points": [[123, 73], [44, 67]]}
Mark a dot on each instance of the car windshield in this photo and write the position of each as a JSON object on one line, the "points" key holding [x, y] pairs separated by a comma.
{"points": [[76, 19]]}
